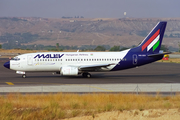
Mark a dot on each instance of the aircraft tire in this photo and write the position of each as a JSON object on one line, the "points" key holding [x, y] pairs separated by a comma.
{"points": [[24, 76], [86, 75]]}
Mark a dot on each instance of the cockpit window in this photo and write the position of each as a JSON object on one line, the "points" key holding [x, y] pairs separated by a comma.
{"points": [[15, 58]]}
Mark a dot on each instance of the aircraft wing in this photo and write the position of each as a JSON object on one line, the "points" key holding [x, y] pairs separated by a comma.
{"points": [[93, 67]]}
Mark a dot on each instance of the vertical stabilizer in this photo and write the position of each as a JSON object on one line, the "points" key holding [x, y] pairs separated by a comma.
{"points": [[152, 43]]}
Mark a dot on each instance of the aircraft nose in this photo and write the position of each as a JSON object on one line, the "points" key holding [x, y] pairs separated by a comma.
{"points": [[7, 64]]}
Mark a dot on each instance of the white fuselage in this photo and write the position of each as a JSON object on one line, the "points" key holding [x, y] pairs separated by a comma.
{"points": [[54, 61]]}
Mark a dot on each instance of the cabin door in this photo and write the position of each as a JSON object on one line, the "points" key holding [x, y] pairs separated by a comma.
{"points": [[29, 60], [135, 59]]}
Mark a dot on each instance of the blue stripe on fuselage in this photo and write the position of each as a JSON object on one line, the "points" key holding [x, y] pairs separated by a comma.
{"points": [[128, 60]]}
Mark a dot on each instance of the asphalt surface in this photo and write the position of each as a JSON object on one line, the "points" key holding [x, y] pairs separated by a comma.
{"points": [[151, 73]]}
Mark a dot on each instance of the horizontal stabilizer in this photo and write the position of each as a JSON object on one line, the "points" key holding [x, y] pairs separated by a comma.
{"points": [[158, 54]]}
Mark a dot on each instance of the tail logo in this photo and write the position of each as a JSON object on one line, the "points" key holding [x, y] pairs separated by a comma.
{"points": [[153, 42]]}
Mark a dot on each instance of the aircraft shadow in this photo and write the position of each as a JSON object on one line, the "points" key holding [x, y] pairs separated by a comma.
{"points": [[106, 79]]}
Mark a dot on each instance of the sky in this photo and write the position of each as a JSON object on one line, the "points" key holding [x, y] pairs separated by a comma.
{"points": [[90, 8]]}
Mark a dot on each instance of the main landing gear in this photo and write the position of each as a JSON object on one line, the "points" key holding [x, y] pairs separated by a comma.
{"points": [[86, 75]]}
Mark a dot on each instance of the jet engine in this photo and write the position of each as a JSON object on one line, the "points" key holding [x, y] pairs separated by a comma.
{"points": [[69, 70]]}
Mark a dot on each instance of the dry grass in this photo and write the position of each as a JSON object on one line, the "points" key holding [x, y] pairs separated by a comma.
{"points": [[171, 60], [59, 106]]}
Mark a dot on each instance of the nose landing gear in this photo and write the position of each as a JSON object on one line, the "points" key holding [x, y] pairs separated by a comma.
{"points": [[24, 76], [22, 73]]}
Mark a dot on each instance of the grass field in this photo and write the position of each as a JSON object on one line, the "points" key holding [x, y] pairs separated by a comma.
{"points": [[171, 60], [60, 106]]}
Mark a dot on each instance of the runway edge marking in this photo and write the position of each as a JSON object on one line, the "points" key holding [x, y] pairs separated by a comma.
{"points": [[9, 83]]}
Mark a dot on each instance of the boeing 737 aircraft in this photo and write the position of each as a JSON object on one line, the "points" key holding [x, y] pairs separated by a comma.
{"points": [[75, 63]]}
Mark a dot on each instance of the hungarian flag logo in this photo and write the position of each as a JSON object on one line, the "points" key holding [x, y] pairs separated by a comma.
{"points": [[153, 42]]}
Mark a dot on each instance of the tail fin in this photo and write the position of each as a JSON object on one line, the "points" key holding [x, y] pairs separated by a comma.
{"points": [[152, 43]]}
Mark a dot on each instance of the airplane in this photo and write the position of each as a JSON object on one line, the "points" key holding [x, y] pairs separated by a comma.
{"points": [[76, 63]]}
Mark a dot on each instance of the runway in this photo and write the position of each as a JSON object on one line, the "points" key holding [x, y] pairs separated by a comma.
{"points": [[164, 77]]}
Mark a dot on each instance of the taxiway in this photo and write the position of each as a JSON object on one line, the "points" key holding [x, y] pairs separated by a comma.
{"points": [[154, 77]]}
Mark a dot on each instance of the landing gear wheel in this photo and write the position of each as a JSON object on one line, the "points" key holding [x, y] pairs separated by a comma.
{"points": [[24, 76], [86, 75]]}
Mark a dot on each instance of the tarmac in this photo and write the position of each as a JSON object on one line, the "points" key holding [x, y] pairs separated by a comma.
{"points": [[152, 78]]}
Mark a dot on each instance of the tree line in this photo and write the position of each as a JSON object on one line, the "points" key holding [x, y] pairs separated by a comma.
{"points": [[83, 47]]}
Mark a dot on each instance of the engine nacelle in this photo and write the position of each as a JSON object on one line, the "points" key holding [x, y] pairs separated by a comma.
{"points": [[68, 70]]}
